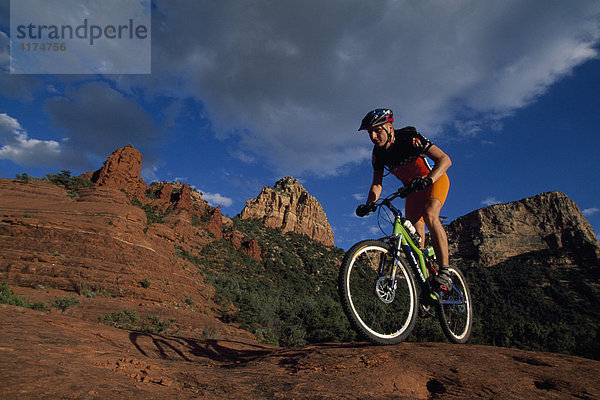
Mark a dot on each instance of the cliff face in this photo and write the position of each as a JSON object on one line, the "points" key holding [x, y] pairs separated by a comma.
{"points": [[108, 237], [547, 221], [288, 206]]}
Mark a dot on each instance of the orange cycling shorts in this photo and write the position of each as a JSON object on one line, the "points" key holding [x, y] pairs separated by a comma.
{"points": [[414, 205]]}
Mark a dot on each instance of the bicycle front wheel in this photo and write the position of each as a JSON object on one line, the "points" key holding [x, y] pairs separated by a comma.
{"points": [[380, 307], [455, 309]]}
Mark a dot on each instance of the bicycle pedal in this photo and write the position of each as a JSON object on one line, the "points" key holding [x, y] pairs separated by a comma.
{"points": [[425, 312]]}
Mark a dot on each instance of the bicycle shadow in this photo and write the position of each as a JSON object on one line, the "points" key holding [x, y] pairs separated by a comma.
{"points": [[196, 350]]}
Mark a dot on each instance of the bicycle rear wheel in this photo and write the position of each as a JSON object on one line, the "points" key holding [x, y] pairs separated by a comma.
{"points": [[455, 309], [384, 312]]}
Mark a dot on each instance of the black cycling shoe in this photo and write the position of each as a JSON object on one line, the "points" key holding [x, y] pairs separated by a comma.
{"points": [[442, 280]]}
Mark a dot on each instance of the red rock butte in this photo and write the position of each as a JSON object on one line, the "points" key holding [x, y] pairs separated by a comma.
{"points": [[288, 206]]}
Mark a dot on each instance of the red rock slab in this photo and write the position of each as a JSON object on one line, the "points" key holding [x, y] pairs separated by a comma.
{"points": [[54, 356]]}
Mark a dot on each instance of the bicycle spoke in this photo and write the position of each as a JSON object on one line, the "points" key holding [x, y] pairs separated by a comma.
{"points": [[382, 309], [455, 309]]}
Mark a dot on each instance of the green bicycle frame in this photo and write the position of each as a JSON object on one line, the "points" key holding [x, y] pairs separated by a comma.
{"points": [[406, 241]]}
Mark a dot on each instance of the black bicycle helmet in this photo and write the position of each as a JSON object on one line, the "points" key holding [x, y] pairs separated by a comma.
{"points": [[378, 116]]}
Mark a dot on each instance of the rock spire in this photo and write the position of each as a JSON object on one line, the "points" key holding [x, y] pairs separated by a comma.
{"points": [[288, 206]]}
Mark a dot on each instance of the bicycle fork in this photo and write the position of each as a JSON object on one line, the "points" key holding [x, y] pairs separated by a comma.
{"points": [[396, 257], [402, 246]]}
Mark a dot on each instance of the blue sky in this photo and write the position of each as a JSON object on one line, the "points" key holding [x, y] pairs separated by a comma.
{"points": [[243, 93]]}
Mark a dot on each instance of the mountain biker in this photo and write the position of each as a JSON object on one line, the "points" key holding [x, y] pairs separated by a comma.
{"points": [[402, 152]]}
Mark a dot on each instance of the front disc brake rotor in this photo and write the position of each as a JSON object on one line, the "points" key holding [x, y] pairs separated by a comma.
{"points": [[384, 289]]}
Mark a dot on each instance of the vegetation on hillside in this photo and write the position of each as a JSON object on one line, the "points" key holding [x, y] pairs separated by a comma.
{"points": [[291, 297], [534, 301], [528, 303], [288, 299], [63, 179], [68, 182], [7, 296]]}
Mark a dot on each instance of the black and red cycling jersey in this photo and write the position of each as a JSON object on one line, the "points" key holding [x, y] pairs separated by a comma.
{"points": [[405, 158]]}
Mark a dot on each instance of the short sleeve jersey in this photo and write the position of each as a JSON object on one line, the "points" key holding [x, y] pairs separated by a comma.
{"points": [[405, 158]]}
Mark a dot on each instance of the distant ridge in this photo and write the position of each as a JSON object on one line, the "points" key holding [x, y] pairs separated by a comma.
{"points": [[546, 221]]}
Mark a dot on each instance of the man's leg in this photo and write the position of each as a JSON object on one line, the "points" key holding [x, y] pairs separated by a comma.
{"points": [[420, 227], [439, 240]]}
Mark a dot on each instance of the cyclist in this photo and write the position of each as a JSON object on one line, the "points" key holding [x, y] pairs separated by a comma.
{"points": [[402, 152]]}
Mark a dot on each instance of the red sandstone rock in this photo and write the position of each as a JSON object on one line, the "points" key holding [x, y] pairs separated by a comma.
{"points": [[162, 196], [249, 246], [290, 207], [547, 221], [122, 171], [215, 223], [57, 356]]}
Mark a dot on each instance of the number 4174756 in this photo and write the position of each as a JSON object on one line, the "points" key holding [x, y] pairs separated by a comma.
{"points": [[43, 46]]}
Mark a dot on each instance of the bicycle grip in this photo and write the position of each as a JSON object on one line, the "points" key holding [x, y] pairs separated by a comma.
{"points": [[364, 209], [404, 191]]}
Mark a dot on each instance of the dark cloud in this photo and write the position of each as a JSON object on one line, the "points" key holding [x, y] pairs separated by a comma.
{"points": [[291, 80], [295, 78], [96, 119]]}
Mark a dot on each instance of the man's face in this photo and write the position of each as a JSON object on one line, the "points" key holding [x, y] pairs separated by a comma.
{"points": [[379, 135]]}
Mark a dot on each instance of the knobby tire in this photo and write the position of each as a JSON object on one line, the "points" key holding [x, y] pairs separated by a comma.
{"points": [[382, 319], [456, 320]]}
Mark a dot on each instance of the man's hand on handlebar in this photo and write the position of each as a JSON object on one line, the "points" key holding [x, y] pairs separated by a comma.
{"points": [[418, 183], [365, 209]]}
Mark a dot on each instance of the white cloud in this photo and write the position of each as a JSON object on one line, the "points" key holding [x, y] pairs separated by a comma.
{"points": [[216, 199], [96, 119], [590, 211], [18, 147], [359, 196], [490, 201], [375, 230], [291, 80]]}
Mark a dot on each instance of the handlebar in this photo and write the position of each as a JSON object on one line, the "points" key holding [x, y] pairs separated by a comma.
{"points": [[404, 191], [365, 209]]}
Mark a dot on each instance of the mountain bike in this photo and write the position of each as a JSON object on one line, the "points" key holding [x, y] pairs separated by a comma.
{"points": [[386, 283]]}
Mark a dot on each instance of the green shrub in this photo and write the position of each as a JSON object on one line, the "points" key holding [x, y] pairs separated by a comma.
{"points": [[24, 178], [156, 325], [186, 255], [288, 299], [145, 283], [128, 319], [7, 297], [153, 213], [196, 221], [40, 306], [90, 291], [62, 303], [68, 182]]}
